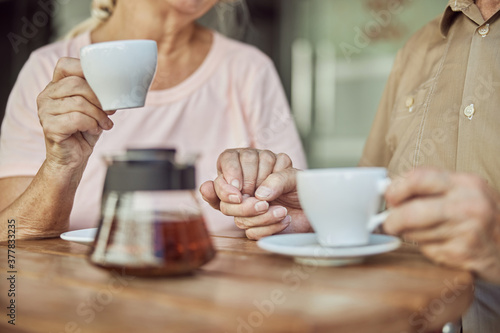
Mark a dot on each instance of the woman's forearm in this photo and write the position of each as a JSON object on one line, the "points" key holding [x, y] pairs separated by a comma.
{"points": [[43, 209]]}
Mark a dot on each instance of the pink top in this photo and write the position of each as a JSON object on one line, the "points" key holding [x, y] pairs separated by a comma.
{"points": [[234, 99]]}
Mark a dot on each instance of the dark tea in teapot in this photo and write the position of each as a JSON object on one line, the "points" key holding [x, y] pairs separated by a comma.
{"points": [[151, 222]]}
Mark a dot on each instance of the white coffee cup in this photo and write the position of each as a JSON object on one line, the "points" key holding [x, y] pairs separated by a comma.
{"points": [[120, 72], [342, 204]]}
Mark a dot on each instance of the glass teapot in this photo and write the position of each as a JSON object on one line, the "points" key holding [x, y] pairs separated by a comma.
{"points": [[151, 222]]}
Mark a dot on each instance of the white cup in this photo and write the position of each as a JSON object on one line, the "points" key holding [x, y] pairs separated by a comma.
{"points": [[342, 204], [120, 72]]}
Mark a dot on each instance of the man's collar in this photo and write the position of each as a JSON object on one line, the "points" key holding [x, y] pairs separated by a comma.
{"points": [[454, 6]]}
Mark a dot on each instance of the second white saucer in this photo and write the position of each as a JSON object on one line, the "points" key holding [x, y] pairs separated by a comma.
{"points": [[306, 250], [83, 236]]}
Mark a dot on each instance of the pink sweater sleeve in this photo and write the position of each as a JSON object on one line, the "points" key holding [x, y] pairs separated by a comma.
{"points": [[22, 145]]}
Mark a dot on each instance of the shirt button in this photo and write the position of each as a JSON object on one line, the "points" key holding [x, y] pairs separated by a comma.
{"points": [[469, 111], [409, 103], [484, 30]]}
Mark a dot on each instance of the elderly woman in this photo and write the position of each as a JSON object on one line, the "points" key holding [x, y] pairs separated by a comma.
{"points": [[210, 93]]}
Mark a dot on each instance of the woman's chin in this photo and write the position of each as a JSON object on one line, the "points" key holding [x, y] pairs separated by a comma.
{"points": [[192, 7]]}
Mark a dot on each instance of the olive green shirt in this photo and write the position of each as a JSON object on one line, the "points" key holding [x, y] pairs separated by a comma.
{"points": [[441, 108]]}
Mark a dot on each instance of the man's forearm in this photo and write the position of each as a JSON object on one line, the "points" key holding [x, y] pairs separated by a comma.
{"points": [[43, 210]]}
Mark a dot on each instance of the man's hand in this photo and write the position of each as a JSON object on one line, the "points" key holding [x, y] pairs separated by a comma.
{"points": [[454, 217], [258, 188]]}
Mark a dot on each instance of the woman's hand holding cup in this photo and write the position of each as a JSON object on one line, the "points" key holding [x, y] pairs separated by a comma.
{"points": [[71, 116]]}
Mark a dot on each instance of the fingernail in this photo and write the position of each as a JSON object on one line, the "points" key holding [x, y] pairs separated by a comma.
{"points": [[280, 212], [263, 192], [246, 196], [109, 123], [287, 220], [236, 183], [234, 199], [261, 206]]}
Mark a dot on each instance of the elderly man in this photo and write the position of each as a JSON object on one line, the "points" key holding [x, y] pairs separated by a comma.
{"points": [[440, 110]]}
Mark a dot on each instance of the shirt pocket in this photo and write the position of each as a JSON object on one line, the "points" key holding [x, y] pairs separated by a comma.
{"points": [[407, 116]]}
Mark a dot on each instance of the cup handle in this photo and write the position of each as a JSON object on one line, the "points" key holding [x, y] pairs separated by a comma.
{"points": [[377, 220], [382, 185]]}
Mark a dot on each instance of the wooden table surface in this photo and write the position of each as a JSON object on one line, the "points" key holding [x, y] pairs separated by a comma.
{"points": [[244, 290]]}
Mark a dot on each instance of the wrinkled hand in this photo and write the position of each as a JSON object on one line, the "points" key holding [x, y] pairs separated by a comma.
{"points": [[258, 188], [71, 116], [454, 217]]}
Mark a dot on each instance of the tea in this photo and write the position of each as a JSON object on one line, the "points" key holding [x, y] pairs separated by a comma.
{"points": [[167, 245]]}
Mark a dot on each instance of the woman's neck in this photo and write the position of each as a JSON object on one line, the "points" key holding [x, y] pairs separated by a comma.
{"points": [[488, 8], [142, 20]]}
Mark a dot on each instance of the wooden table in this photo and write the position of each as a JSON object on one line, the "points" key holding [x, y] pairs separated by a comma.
{"points": [[244, 290]]}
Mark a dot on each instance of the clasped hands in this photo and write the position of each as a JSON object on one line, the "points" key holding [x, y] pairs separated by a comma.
{"points": [[454, 217]]}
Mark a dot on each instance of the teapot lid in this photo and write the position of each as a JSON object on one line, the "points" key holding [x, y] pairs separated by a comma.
{"points": [[148, 170]]}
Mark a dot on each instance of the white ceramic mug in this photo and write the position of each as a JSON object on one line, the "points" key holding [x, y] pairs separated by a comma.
{"points": [[342, 204], [120, 72]]}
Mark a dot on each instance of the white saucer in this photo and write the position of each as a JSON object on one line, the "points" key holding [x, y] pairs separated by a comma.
{"points": [[83, 236], [306, 250]]}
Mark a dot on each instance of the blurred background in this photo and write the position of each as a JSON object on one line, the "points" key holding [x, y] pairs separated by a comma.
{"points": [[333, 56]]}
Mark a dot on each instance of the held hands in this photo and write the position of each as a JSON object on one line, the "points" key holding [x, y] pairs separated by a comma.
{"points": [[258, 188], [454, 217], [71, 116]]}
